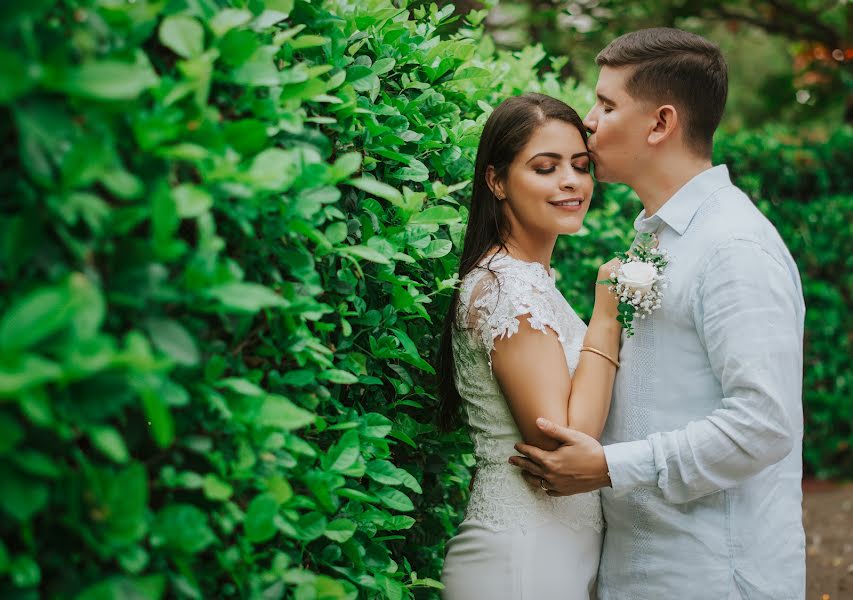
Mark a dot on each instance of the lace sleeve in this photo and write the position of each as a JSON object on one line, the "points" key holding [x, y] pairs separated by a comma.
{"points": [[497, 303]]}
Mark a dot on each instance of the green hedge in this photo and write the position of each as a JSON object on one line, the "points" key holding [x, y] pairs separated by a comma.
{"points": [[226, 246], [227, 238]]}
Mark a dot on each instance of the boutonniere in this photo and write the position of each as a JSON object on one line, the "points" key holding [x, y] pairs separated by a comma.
{"points": [[639, 281]]}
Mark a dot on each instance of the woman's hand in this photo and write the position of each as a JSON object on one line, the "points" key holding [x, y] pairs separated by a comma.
{"points": [[606, 302]]}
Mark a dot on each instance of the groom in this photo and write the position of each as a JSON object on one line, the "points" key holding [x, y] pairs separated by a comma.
{"points": [[700, 461]]}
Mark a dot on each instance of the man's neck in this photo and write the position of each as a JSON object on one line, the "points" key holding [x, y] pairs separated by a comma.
{"points": [[660, 183]]}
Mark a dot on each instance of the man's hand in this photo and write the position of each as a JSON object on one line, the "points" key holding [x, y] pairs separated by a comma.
{"points": [[577, 466]]}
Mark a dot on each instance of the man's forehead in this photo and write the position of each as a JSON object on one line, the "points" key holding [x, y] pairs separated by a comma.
{"points": [[613, 78]]}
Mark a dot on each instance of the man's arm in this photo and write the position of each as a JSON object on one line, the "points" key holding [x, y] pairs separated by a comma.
{"points": [[748, 312]]}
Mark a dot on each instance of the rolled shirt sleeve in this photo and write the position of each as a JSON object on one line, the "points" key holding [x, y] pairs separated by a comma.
{"points": [[748, 311]]}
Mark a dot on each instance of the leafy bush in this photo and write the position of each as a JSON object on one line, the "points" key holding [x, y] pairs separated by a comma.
{"points": [[227, 236], [224, 230]]}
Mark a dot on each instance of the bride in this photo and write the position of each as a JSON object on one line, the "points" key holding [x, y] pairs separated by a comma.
{"points": [[514, 350]]}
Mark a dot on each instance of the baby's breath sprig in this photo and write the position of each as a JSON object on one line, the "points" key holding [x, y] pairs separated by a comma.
{"points": [[639, 282]]}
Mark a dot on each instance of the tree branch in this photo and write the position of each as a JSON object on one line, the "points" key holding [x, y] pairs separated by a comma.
{"points": [[797, 25]]}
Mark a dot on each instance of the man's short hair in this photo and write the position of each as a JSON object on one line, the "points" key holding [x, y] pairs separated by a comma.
{"points": [[675, 67]]}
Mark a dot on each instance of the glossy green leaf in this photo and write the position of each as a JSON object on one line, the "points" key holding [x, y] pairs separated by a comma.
{"points": [[366, 253], [182, 527], [248, 297], [344, 453], [279, 412], [191, 201], [310, 526], [119, 502], [259, 522], [149, 587], [437, 214], [215, 488], [229, 18], [159, 419], [23, 495], [340, 530], [438, 248], [36, 316], [339, 376], [109, 441], [24, 571], [378, 189], [384, 472], [172, 339], [183, 35], [112, 79], [394, 499], [336, 233]]}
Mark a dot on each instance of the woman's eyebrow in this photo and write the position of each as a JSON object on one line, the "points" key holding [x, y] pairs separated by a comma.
{"points": [[548, 154], [557, 155]]}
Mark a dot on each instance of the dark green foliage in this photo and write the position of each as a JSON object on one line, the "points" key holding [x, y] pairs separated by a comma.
{"points": [[226, 239], [228, 234]]}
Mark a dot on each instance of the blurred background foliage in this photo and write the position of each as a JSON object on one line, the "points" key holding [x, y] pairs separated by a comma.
{"points": [[790, 60], [228, 233]]}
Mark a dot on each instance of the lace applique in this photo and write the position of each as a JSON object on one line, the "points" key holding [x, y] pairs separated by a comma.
{"points": [[501, 499], [499, 296], [492, 300]]}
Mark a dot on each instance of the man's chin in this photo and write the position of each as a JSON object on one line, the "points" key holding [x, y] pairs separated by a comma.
{"points": [[604, 176], [601, 175]]}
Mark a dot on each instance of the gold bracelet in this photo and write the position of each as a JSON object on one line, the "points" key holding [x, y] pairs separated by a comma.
{"points": [[600, 353]]}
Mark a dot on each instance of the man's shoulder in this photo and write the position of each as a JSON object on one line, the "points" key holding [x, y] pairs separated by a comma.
{"points": [[730, 217]]}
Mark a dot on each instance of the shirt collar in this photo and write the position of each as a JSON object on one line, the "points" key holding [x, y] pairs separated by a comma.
{"points": [[680, 209]]}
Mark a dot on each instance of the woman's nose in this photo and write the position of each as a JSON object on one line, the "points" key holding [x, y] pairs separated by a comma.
{"points": [[569, 179]]}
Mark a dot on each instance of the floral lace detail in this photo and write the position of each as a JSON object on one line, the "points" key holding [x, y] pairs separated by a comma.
{"points": [[502, 499], [493, 299]]}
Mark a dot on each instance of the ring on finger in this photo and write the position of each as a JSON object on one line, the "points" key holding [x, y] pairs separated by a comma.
{"points": [[542, 483]]}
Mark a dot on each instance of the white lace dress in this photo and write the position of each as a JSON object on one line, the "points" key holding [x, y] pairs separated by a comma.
{"points": [[516, 542]]}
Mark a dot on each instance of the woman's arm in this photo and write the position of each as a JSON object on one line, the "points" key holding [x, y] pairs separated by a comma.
{"points": [[589, 402], [530, 366]]}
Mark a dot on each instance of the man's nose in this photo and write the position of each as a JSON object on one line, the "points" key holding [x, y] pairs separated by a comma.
{"points": [[589, 121]]}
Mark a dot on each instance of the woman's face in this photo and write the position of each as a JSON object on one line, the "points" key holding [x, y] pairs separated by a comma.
{"points": [[548, 186]]}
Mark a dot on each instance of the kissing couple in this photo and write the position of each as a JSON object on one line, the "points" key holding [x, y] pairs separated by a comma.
{"points": [[663, 464]]}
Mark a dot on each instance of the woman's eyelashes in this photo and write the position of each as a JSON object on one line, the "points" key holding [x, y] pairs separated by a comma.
{"points": [[583, 168]]}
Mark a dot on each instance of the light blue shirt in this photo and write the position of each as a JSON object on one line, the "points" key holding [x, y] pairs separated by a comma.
{"points": [[704, 437]]}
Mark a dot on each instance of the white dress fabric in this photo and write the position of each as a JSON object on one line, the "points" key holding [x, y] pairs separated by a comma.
{"points": [[516, 542]]}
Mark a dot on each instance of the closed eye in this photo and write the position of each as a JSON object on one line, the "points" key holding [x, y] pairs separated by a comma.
{"points": [[546, 171]]}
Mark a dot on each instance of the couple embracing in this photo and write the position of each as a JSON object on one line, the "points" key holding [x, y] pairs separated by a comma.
{"points": [[666, 464]]}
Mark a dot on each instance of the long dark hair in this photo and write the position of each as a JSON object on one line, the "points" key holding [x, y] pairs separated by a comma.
{"points": [[507, 131]]}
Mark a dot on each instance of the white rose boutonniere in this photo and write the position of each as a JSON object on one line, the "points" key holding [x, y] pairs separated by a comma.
{"points": [[639, 282], [637, 276]]}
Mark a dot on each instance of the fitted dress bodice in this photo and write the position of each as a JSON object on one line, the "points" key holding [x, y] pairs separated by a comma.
{"points": [[493, 298]]}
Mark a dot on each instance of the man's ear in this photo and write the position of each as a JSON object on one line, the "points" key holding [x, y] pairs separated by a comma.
{"points": [[494, 183], [666, 122]]}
